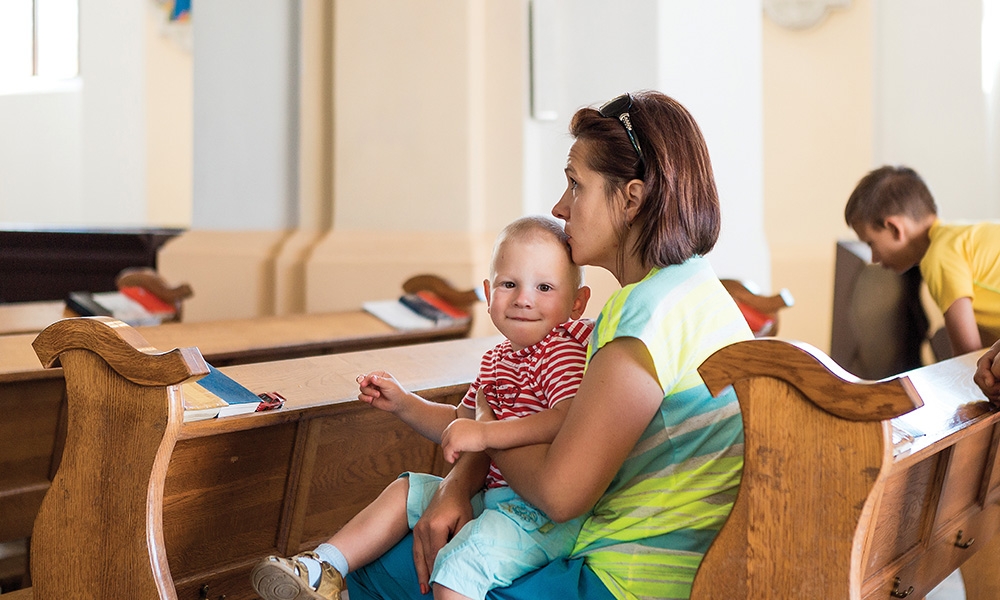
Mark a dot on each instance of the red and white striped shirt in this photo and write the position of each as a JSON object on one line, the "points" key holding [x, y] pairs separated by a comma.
{"points": [[518, 384]]}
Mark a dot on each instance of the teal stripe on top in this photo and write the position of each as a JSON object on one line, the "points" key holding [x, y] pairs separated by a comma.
{"points": [[646, 535]]}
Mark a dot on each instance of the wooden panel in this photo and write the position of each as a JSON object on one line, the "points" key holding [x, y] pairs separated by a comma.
{"points": [[963, 484], [906, 509], [342, 483], [223, 497], [48, 264], [30, 417]]}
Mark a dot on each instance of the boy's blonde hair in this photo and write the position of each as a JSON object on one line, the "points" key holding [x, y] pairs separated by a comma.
{"points": [[888, 191], [536, 227]]}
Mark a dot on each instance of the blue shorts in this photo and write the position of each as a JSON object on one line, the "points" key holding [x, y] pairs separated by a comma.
{"points": [[507, 539]]}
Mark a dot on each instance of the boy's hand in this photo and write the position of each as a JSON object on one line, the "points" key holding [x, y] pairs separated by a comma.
{"points": [[987, 375], [381, 390], [462, 435]]}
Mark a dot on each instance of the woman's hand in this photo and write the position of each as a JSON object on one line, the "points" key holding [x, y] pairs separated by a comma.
{"points": [[987, 375]]}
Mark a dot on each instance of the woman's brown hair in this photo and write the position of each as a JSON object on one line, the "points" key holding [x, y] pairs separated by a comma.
{"points": [[679, 216]]}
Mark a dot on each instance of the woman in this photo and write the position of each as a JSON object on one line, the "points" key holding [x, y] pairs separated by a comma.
{"points": [[644, 446]]}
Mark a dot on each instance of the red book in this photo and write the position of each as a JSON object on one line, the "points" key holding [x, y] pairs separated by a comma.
{"points": [[760, 323], [149, 301], [439, 303]]}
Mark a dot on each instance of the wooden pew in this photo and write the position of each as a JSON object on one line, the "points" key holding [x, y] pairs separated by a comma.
{"points": [[34, 316], [32, 398], [827, 508], [184, 510]]}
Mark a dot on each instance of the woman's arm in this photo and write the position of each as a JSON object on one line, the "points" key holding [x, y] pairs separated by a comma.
{"points": [[618, 397]]}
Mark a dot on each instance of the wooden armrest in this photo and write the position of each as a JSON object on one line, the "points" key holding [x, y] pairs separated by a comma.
{"points": [[444, 289]]}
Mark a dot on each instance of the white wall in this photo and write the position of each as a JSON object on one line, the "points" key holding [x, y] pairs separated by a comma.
{"points": [[75, 156], [931, 111], [245, 115], [668, 45]]}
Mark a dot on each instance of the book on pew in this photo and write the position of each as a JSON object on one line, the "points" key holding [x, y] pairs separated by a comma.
{"points": [[151, 302], [421, 310], [218, 395], [112, 304]]}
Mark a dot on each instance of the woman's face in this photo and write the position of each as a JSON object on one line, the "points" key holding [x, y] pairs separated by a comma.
{"points": [[587, 211]]}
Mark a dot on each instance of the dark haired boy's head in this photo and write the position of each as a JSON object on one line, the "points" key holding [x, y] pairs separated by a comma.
{"points": [[892, 211], [889, 191]]}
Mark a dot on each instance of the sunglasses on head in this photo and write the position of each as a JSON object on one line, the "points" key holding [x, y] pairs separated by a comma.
{"points": [[617, 108]]}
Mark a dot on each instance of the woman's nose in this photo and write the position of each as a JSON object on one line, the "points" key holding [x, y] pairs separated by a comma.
{"points": [[559, 210]]}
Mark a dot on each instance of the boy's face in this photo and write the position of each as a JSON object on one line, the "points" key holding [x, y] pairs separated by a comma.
{"points": [[891, 245], [533, 290]]}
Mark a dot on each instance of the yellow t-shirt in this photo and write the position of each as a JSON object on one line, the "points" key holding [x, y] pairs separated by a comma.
{"points": [[963, 261]]}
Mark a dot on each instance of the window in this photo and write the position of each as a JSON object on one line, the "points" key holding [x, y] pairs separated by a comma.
{"points": [[38, 39]]}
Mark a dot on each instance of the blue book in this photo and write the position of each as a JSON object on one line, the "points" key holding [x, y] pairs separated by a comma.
{"points": [[217, 395]]}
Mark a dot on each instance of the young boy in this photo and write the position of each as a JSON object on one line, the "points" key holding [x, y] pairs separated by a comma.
{"points": [[534, 294], [893, 212]]}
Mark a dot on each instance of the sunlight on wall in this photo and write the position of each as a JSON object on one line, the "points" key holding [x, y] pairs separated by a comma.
{"points": [[991, 45]]}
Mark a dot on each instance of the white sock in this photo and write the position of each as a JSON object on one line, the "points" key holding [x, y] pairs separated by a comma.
{"points": [[330, 554]]}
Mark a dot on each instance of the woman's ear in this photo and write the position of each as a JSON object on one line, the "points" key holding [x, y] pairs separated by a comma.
{"points": [[634, 194]]}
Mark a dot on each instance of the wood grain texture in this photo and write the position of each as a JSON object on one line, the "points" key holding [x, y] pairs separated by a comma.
{"points": [[827, 508], [819, 379], [210, 498], [108, 492]]}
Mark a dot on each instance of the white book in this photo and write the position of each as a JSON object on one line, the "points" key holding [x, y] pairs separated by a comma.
{"points": [[397, 314]]}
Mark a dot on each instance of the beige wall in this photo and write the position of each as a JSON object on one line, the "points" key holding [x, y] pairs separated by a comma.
{"points": [[818, 131], [168, 92]]}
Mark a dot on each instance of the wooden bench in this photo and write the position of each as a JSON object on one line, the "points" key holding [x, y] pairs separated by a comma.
{"points": [[32, 398], [34, 316], [827, 509], [146, 506]]}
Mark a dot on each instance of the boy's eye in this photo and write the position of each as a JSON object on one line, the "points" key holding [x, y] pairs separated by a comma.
{"points": [[545, 287], [507, 284]]}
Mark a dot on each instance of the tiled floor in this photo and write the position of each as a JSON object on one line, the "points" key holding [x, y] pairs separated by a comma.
{"points": [[951, 588]]}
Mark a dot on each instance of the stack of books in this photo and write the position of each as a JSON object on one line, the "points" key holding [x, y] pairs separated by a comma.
{"points": [[218, 395], [420, 310], [134, 305]]}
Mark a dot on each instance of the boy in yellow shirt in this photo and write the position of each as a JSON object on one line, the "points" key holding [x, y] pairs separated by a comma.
{"points": [[893, 212]]}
